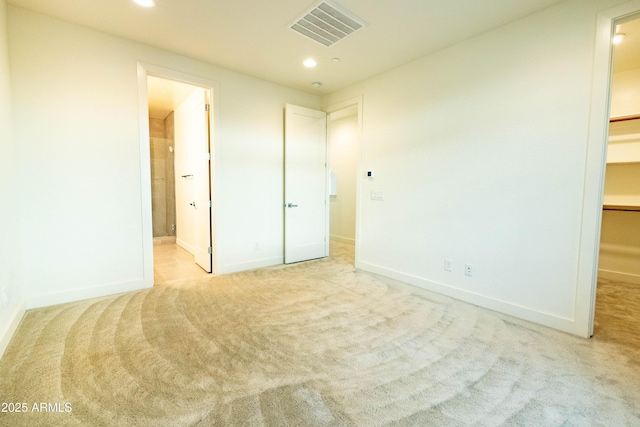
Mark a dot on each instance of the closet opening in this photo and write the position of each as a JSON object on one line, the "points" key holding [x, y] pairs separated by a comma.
{"points": [[617, 309]]}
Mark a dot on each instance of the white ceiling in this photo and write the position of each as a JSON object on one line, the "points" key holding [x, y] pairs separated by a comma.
{"points": [[165, 96], [252, 36], [627, 53]]}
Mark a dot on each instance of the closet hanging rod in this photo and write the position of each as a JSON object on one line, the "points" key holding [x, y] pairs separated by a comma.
{"points": [[621, 208], [624, 119]]}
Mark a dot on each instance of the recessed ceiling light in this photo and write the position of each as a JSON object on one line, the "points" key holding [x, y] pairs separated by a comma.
{"points": [[145, 3], [335, 60], [310, 63], [316, 84], [618, 35], [617, 38]]}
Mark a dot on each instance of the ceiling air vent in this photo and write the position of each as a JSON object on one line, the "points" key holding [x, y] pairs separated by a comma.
{"points": [[327, 23]]}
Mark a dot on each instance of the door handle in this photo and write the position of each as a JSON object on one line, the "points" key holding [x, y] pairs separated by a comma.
{"points": [[187, 176], [192, 204], [291, 205]]}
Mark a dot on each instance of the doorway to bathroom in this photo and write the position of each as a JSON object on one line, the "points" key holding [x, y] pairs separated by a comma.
{"points": [[180, 168]]}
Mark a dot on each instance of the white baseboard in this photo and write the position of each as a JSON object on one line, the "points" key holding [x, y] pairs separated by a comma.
{"points": [[341, 239], [619, 276], [7, 331], [44, 300], [504, 307], [184, 245], [249, 265]]}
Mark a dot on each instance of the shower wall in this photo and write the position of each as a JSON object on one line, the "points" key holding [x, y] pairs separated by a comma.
{"points": [[163, 195]]}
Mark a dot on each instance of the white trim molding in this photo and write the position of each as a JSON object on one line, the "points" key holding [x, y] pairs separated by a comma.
{"points": [[341, 239], [619, 276], [108, 289], [521, 312]]}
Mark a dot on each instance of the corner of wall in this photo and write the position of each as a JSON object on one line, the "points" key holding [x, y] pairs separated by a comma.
{"points": [[11, 326]]}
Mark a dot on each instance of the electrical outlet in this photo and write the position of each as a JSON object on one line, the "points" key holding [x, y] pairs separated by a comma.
{"points": [[256, 247], [468, 269], [448, 265]]}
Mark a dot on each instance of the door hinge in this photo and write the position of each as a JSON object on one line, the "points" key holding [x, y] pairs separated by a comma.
{"points": [[209, 155], [207, 107], [210, 250], [209, 203]]}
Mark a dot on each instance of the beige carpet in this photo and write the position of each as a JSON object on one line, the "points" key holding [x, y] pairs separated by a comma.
{"points": [[312, 344]]}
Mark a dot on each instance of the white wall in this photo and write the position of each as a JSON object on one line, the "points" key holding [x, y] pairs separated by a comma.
{"points": [[620, 246], [77, 129], [480, 152], [12, 303], [625, 93], [343, 160], [622, 185]]}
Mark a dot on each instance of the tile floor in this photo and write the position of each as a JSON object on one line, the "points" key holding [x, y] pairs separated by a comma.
{"points": [[171, 262]]}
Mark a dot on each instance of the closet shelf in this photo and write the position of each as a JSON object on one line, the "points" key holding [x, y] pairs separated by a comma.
{"points": [[632, 162], [624, 141]]}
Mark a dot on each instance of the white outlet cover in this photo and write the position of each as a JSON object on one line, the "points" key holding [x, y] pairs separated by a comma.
{"points": [[468, 269]]}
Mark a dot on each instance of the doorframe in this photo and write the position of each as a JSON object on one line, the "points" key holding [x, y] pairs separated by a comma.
{"points": [[357, 100], [145, 70], [595, 164]]}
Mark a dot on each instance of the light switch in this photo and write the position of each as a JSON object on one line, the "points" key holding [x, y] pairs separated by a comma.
{"points": [[333, 184]]}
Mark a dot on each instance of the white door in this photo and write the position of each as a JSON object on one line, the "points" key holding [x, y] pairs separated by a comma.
{"points": [[202, 179], [305, 184]]}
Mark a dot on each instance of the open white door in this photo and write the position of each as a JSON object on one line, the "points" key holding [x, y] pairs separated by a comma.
{"points": [[202, 180], [192, 168], [305, 184]]}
